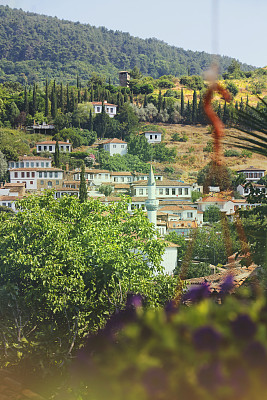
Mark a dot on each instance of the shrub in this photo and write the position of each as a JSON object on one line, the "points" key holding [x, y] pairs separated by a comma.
{"points": [[209, 147], [231, 153]]}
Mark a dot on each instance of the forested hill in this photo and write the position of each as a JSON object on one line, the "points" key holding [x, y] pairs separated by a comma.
{"points": [[34, 47]]}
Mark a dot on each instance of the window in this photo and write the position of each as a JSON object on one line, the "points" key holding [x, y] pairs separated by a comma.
{"points": [[37, 165], [173, 192], [4, 204], [116, 179], [12, 165], [161, 191], [186, 191], [40, 174], [42, 164], [140, 191], [129, 179], [156, 136], [17, 165], [180, 191], [91, 176], [50, 174], [167, 191], [97, 109], [32, 164], [151, 137], [22, 165], [9, 204], [39, 148], [33, 174], [45, 174], [41, 182], [189, 215], [111, 110], [47, 164], [106, 176], [68, 148], [250, 175], [114, 146], [22, 174], [50, 148], [56, 174], [122, 179], [16, 174], [61, 148], [107, 109], [45, 148], [57, 183], [28, 174], [146, 191], [31, 182], [27, 164], [49, 184], [122, 146]]}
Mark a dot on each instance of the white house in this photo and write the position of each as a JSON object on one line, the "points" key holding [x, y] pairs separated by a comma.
{"points": [[244, 191], [50, 146], [110, 109], [10, 193], [37, 178], [252, 174], [94, 177], [43, 128], [182, 212], [165, 189], [122, 177], [115, 146], [153, 137], [31, 162]]}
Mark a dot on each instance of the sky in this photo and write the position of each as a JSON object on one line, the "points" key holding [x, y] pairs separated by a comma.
{"points": [[234, 28]]}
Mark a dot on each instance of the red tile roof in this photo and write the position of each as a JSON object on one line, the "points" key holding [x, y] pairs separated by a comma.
{"points": [[114, 140], [52, 142], [99, 103]]}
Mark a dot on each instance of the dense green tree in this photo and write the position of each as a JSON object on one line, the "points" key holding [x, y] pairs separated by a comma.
{"points": [[105, 189], [56, 156], [13, 113], [54, 101], [194, 108], [139, 146], [212, 214], [26, 101], [3, 166], [159, 101]]}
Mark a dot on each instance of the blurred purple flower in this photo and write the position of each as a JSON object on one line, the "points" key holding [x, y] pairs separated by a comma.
{"points": [[198, 293], [118, 320], [255, 355], [243, 327], [207, 338], [238, 380], [227, 285], [170, 308], [155, 381], [210, 376], [134, 300]]}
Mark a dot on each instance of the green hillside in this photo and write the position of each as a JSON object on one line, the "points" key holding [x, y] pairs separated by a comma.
{"points": [[34, 47]]}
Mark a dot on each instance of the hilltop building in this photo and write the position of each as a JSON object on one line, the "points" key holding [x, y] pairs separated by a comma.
{"points": [[50, 146], [124, 78], [252, 174], [110, 109], [152, 137], [115, 146]]}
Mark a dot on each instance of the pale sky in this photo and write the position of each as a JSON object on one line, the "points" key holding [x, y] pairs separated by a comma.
{"points": [[238, 30]]}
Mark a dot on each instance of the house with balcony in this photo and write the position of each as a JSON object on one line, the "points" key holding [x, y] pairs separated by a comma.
{"points": [[164, 189], [252, 174], [31, 162], [37, 179]]}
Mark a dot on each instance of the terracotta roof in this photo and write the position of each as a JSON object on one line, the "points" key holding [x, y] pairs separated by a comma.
{"points": [[212, 199], [164, 183], [114, 140], [53, 142], [122, 173], [65, 189], [10, 198], [176, 208], [251, 168], [91, 171], [14, 184], [121, 186], [139, 199]]}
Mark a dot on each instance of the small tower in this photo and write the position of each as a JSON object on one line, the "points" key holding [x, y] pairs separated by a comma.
{"points": [[124, 78], [152, 204]]}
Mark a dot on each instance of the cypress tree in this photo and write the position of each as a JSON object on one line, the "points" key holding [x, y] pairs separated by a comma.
{"points": [[34, 100], [164, 106], [182, 102], [56, 155], [159, 101], [247, 104], [83, 188], [46, 99], [54, 101], [78, 82], [26, 101], [85, 95], [68, 98], [61, 101], [145, 101], [79, 96], [241, 105], [194, 108], [91, 122]]}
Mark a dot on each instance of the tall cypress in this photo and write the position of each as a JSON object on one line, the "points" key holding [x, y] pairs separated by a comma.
{"points": [[182, 102], [34, 100], [53, 103], [26, 101], [159, 101], [78, 82], [194, 108], [85, 95], [61, 98], [83, 188], [145, 101], [91, 122], [46, 99], [56, 155], [68, 99], [79, 96]]}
